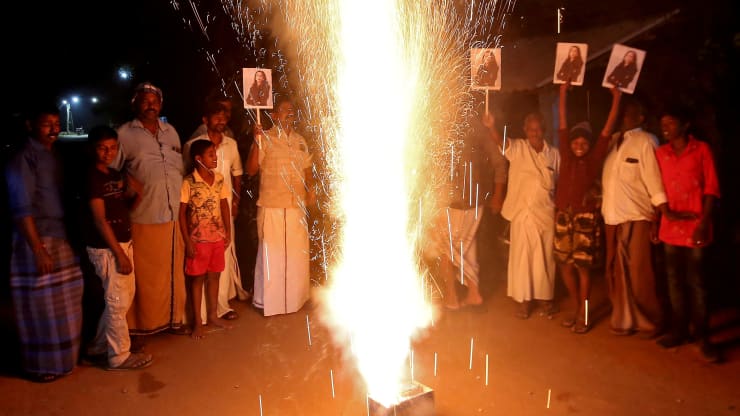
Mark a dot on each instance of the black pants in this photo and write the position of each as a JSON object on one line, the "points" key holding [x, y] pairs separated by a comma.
{"points": [[687, 290]]}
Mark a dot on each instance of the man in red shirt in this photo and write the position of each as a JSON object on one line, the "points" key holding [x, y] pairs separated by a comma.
{"points": [[691, 185]]}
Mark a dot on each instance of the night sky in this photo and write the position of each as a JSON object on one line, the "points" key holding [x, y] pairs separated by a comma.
{"points": [[70, 47]]}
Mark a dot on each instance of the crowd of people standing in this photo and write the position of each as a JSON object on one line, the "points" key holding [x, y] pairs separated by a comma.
{"points": [[164, 219]]}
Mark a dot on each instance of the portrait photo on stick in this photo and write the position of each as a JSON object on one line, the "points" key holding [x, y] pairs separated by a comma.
{"points": [[624, 68], [570, 63], [257, 87], [485, 66]]}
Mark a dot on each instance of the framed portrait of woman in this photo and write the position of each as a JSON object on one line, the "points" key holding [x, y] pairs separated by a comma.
{"points": [[257, 87], [624, 68], [570, 63], [485, 67]]}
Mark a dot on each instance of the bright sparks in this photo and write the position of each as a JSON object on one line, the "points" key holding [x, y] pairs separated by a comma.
{"points": [[384, 93], [375, 296]]}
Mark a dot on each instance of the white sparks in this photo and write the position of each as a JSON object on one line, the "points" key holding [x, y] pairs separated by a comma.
{"points": [[435, 364], [476, 200], [470, 184], [331, 375], [308, 329], [449, 232], [549, 391], [470, 366], [411, 361], [503, 147], [267, 260], [462, 264], [486, 369]]}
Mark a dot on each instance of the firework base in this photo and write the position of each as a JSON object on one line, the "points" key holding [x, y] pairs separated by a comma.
{"points": [[417, 400]]}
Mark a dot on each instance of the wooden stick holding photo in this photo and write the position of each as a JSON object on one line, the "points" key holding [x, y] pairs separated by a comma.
{"points": [[259, 123]]}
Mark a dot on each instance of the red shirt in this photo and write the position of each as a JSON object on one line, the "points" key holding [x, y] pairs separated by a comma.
{"points": [[687, 178], [579, 174]]}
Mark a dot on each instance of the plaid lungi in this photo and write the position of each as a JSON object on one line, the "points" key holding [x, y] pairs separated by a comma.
{"points": [[48, 308]]}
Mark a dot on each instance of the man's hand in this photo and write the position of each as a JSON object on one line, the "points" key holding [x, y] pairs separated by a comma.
{"points": [[123, 264], [700, 235], [654, 229], [189, 250], [679, 215], [235, 206], [488, 120], [44, 262]]}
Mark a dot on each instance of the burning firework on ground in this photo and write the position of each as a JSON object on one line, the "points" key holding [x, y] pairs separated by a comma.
{"points": [[382, 92]]}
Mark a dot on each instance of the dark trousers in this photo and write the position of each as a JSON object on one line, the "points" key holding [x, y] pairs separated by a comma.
{"points": [[687, 290]]}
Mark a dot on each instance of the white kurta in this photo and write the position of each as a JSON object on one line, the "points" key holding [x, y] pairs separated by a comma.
{"points": [[230, 281], [530, 207]]}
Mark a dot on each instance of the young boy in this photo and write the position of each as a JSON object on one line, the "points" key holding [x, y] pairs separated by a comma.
{"points": [[578, 229], [691, 184], [204, 214], [111, 253]]}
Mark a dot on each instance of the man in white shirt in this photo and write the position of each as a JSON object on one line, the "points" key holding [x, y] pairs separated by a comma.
{"points": [[229, 165], [633, 190], [281, 156]]}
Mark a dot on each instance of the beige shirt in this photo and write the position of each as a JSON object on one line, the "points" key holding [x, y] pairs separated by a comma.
{"points": [[631, 180], [532, 179], [283, 160]]}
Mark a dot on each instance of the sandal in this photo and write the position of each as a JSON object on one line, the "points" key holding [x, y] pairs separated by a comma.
{"points": [[568, 322], [180, 330], [134, 361], [43, 377], [549, 310], [580, 327], [230, 316], [523, 311]]}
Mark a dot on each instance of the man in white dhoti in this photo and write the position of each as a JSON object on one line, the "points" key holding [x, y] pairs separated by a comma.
{"points": [[452, 239], [280, 155], [215, 118], [530, 207]]}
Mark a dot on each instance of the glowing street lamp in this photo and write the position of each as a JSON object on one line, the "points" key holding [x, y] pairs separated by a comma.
{"points": [[124, 74], [67, 103], [70, 124]]}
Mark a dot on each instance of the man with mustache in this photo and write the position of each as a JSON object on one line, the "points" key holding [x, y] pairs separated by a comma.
{"points": [[151, 155]]}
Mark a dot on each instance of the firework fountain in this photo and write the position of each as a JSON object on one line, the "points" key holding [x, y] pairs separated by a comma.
{"points": [[382, 87]]}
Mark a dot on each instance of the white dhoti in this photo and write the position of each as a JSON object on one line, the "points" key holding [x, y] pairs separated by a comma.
{"points": [[531, 272], [457, 241], [281, 275]]}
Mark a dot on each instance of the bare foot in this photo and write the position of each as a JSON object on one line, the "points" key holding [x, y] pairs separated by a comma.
{"points": [[198, 332], [473, 299], [219, 323], [452, 305]]}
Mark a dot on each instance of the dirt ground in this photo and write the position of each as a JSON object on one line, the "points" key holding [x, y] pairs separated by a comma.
{"points": [[269, 361]]}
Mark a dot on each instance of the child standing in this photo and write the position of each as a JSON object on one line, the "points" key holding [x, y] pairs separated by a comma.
{"points": [[576, 246], [111, 253], [204, 207]]}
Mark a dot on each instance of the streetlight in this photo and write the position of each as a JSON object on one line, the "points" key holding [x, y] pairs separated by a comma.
{"points": [[124, 73], [68, 106], [67, 103]]}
